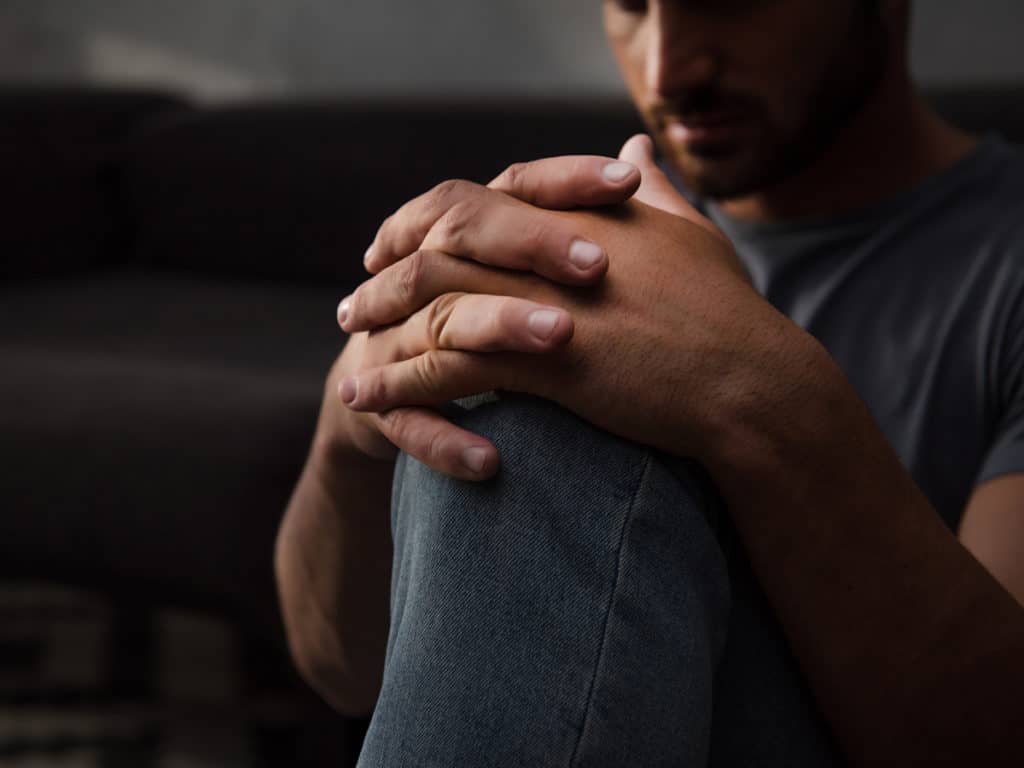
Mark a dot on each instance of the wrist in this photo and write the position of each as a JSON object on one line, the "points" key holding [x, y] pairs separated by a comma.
{"points": [[782, 417]]}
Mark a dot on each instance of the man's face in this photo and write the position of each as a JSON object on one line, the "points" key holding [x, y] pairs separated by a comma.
{"points": [[740, 94]]}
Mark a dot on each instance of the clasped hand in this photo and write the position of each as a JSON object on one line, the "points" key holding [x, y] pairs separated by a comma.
{"points": [[582, 280]]}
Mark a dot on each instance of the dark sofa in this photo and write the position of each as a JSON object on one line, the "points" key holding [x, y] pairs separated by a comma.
{"points": [[170, 276]]}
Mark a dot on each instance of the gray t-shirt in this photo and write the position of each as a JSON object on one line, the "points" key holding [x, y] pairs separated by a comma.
{"points": [[919, 300]]}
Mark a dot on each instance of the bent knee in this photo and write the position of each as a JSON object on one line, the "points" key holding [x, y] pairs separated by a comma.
{"points": [[538, 590]]}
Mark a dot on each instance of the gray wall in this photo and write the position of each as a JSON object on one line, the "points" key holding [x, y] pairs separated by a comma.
{"points": [[236, 48], [965, 41]]}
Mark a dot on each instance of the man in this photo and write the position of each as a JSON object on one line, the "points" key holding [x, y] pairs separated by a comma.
{"points": [[590, 603]]}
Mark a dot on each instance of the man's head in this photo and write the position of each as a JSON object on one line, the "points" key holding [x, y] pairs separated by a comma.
{"points": [[740, 94]]}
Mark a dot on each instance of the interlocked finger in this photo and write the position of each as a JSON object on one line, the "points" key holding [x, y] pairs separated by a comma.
{"points": [[489, 227], [476, 323], [432, 378], [502, 232], [410, 284], [404, 230], [430, 438], [484, 323], [573, 181]]}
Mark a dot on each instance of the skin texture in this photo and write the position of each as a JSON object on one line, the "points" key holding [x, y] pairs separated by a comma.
{"points": [[673, 283], [914, 650], [993, 530], [334, 603]]}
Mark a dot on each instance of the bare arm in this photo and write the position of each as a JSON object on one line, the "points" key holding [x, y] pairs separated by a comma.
{"points": [[993, 530], [913, 649], [333, 566], [332, 557], [332, 561]]}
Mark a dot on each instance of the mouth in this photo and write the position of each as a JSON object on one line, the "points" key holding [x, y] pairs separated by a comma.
{"points": [[706, 129]]}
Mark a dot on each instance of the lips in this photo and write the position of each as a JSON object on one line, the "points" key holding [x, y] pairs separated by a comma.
{"points": [[705, 128]]}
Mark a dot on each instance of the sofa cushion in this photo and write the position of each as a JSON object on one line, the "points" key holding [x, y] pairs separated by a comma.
{"points": [[153, 426], [298, 189]]}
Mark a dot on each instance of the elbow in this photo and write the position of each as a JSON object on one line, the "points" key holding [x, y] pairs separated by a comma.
{"points": [[316, 648], [327, 674]]}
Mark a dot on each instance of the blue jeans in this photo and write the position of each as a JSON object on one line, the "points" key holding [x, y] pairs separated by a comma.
{"points": [[589, 606]]}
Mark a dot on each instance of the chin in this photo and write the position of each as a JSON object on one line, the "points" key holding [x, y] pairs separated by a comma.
{"points": [[719, 176], [725, 173]]}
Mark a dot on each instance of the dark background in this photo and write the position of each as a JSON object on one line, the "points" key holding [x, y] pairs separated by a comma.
{"points": [[187, 190]]}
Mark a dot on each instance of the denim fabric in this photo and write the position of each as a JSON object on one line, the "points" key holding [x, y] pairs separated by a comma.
{"points": [[573, 612]]}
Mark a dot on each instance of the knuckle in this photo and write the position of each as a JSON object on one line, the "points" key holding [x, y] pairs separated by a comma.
{"points": [[493, 331], [508, 326], [448, 192], [536, 238], [409, 280], [512, 178], [433, 447], [428, 371], [451, 227], [580, 168], [439, 312], [504, 318], [403, 428], [375, 388]]}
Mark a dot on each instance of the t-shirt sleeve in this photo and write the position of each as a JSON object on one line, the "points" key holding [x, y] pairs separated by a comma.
{"points": [[1006, 453], [1006, 456]]}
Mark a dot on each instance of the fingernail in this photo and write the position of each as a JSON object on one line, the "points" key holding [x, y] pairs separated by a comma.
{"points": [[542, 323], [585, 254], [348, 390], [618, 171], [368, 255], [343, 310], [474, 459]]}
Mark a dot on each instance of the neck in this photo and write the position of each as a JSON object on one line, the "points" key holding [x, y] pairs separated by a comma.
{"points": [[892, 144]]}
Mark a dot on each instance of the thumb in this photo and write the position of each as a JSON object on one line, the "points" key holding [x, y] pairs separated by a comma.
{"points": [[655, 188], [658, 192]]}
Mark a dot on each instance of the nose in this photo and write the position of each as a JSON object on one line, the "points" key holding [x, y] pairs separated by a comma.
{"points": [[679, 53]]}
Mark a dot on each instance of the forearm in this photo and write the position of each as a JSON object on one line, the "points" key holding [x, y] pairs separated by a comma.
{"points": [[915, 653], [333, 564]]}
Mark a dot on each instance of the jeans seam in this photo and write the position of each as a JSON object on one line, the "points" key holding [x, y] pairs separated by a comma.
{"points": [[611, 602]]}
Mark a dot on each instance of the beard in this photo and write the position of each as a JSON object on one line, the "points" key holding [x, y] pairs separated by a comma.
{"points": [[770, 148]]}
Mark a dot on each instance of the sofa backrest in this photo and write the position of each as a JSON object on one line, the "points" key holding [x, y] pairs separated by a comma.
{"points": [[298, 190], [281, 190], [58, 167]]}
